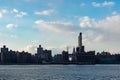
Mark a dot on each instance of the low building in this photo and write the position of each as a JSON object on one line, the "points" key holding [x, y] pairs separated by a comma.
{"points": [[65, 57], [58, 58]]}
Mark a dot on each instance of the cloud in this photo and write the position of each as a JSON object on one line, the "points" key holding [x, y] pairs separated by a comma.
{"points": [[96, 4], [29, 48], [91, 36], [108, 24], [11, 26], [18, 13], [108, 3], [1, 15], [85, 22], [45, 12], [104, 30], [21, 14], [2, 12], [56, 26], [15, 11], [104, 4]]}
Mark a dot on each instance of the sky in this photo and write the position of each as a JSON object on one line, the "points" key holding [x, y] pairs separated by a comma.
{"points": [[56, 24]]}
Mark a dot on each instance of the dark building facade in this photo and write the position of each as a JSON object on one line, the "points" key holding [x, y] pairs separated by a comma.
{"points": [[58, 59], [24, 57], [14, 57], [65, 56], [43, 56], [4, 54], [82, 57], [106, 58]]}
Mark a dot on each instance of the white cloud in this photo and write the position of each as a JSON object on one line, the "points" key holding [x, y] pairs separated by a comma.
{"points": [[96, 4], [105, 32], [85, 22], [104, 4], [109, 24], [91, 36], [1, 15], [15, 11], [18, 13], [2, 12], [108, 3], [21, 14], [45, 12], [29, 48], [56, 26], [11, 26]]}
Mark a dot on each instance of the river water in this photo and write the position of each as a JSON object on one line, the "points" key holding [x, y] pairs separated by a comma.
{"points": [[59, 72]]}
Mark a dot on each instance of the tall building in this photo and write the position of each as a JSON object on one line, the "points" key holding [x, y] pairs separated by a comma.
{"points": [[4, 54], [80, 40], [80, 48], [81, 56]]}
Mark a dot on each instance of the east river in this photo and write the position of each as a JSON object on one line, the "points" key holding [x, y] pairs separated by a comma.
{"points": [[59, 72]]}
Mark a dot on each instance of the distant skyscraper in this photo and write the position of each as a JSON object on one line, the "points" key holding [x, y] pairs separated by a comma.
{"points": [[4, 54], [80, 42]]}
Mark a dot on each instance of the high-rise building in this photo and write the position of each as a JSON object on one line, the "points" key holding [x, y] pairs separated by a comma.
{"points": [[80, 40], [83, 57], [80, 48], [4, 54]]}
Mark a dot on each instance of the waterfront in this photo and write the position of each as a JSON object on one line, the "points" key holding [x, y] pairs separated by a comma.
{"points": [[59, 72]]}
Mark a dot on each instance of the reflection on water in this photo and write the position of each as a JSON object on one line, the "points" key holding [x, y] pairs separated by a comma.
{"points": [[59, 72]]}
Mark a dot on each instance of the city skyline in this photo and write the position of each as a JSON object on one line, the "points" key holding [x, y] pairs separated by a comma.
{"points": [[44, 56], [55, 24]]}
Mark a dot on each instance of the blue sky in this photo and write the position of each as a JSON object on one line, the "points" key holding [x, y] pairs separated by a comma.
{"points": [[55, 24]]}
